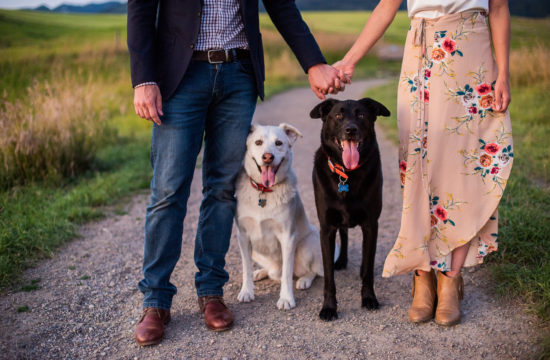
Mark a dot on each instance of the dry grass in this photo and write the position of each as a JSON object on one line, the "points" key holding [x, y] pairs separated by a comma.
{"points": [[530, 65], [54, 133]]}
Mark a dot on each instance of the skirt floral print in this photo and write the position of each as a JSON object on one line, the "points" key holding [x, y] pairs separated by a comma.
{"points": [[455, 152]]}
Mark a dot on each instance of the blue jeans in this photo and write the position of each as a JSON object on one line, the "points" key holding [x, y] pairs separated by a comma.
{"points": [[217, 101]]}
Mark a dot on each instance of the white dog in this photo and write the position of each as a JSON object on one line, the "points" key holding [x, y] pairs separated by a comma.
{"points": [[272, 225]]}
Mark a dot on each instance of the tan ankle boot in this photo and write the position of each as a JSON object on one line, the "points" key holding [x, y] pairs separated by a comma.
{"points": [[449, 293], [423, 293]]}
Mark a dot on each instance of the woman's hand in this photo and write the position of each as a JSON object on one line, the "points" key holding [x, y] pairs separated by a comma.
{"points": [[499, 21], [345, 68], [502, 94]]}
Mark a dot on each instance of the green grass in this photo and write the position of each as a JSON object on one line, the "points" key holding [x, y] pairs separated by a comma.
{"points": [[31, 286], [529, 32], [387, 95], [23, 308], [530, 113], [347, 22], [37, 218]]}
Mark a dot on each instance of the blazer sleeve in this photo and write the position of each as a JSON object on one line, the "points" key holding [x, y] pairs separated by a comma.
{"points": [[142, 15], [287, 19]]}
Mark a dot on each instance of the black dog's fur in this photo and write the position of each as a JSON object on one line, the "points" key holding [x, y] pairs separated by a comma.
{"points": [[361, 205]]}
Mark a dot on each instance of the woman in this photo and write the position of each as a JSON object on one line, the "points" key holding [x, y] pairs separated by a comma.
{"points": [[455, 142]]}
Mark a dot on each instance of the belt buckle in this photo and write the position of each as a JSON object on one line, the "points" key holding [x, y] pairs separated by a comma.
{"points": [[216, 62]]}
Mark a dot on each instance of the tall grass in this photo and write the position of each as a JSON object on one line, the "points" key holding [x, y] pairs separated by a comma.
{"points": [[530, 65], [54, 132]]}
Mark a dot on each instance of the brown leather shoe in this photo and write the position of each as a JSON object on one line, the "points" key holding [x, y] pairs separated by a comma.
{"points": [[217, 315], [150, 329], [423, 292], [449, 293]]}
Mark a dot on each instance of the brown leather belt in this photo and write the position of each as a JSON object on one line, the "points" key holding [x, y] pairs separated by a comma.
{"points": [[221, 56]]}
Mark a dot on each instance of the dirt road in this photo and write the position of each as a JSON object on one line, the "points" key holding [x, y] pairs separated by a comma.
{"points": [[88, 303]]}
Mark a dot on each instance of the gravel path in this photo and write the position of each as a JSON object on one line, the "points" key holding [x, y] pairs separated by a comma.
{"points": [[88, 303]]}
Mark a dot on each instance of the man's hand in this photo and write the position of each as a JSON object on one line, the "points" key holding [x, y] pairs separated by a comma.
{"points": [[325, 79], [346, 68], [148, 103], [502, 94]]}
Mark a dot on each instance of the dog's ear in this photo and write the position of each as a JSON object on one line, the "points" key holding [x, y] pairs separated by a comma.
{"points": [[322, 109], [374, 106], [292, 133]]}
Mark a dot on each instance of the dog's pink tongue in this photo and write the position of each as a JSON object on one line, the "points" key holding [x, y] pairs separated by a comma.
{"points": [[350, 155], [268, 175]]}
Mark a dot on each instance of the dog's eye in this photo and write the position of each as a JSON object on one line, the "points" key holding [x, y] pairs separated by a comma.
{"points": [[361, 116], [339, 116], [278, 143], [259, 142]]}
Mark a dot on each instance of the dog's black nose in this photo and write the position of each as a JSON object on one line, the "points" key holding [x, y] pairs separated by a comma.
{"points": [[351, 130], [268, 158]]}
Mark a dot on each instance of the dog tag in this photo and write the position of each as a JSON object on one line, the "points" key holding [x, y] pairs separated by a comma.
{"points": [[343, 187], [261, 202]]}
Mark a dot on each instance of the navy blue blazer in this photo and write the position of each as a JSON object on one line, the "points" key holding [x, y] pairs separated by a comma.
{"points": [[162, 34]]}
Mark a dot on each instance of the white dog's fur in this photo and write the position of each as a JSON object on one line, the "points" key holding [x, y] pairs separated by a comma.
{"points": [[279, 236]]}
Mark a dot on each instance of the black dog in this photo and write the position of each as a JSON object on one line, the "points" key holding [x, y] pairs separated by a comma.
{"points": [[347, 180]]}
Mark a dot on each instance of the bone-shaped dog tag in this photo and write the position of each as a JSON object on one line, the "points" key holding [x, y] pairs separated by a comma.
{"points": [[343, 187]]}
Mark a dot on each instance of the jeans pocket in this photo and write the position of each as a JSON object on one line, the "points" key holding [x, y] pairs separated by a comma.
{"points": [[245, 65]]}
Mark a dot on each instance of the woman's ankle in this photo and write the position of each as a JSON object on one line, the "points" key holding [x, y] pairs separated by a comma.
{"points": [[452, 273], [422, 272]]}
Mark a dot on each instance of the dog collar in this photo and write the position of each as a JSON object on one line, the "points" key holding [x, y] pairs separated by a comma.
{"points": [[260, 187], [337, 168], [341, 171], [261, 192]]}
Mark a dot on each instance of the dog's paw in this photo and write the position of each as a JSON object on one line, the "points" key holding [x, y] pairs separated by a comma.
{"points": [[341, 263], [245, 295], [260, 274], [328, 314], [286, 304], [304, 282], [370, 303]]}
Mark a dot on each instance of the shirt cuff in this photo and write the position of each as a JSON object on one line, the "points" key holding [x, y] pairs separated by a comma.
{"points": [[145, 83]]}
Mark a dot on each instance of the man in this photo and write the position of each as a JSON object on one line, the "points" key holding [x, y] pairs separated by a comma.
{"points": [[197, 69]]}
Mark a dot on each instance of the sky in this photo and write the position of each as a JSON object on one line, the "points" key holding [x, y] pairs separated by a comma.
{"points": [[18, 4]]}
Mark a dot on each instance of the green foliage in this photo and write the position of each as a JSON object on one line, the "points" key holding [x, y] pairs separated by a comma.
{"points": [[31, 286], [23, 308]]}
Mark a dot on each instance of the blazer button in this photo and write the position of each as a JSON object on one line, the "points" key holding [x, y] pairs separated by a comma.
{"points": [[199, 14], [192, 46]]}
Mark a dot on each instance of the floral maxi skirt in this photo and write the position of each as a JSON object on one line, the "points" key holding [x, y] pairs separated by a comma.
{"points": [[455, 152]]}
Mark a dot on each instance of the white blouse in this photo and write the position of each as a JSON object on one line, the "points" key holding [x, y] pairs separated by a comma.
{"points": [[435, 8]]}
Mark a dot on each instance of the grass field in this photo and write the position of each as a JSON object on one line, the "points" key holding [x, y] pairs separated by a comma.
{"points": [[83, 60]]}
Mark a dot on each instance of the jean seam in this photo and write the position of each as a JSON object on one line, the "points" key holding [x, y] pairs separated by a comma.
{"points": [[155, 304], [210, 293]]}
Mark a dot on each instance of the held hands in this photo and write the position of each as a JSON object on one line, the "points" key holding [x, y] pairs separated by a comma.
{"points": [[148, 103], [502, 94], [325, 79], [345, 67]]}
